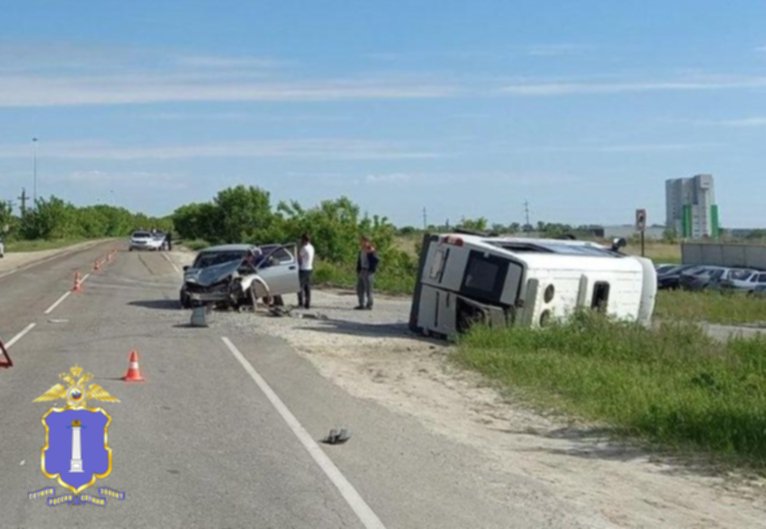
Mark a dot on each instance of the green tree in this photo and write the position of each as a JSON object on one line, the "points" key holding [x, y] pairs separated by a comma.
{"points": [[51, 219], [245, 214], [479, 224]]}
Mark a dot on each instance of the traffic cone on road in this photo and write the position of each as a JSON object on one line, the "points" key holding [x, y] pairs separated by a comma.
{"points": [[77, 287], [134, 373], [96, 265], [7, 362]]}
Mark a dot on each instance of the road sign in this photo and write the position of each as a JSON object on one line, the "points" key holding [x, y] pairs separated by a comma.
{"points": [[640, 219]]}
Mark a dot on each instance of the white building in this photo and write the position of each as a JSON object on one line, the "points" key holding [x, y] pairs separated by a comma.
{"points": [[690, 207]]}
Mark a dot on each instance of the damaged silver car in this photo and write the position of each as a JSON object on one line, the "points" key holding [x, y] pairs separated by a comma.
{"points": [[234, 275]]}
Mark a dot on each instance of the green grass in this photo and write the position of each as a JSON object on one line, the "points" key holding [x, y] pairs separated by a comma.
{"points": [[37, 245], [386, 281], [195, 244], [674, 386], [710, 306]]}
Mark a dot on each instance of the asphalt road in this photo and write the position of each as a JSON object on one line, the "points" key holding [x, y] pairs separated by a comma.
{"points": [[223, 432]]}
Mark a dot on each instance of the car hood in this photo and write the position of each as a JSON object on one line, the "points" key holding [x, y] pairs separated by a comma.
{"points": [[212, 274]]}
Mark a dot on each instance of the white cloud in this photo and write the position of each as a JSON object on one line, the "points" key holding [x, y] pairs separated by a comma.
{"points": [[330, 149], [40, 91], [390, 178], [742, 122], [584, 88], [109, 181]]}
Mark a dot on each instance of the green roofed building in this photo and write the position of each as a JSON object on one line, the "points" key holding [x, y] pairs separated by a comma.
{"points": [[690, 207]]}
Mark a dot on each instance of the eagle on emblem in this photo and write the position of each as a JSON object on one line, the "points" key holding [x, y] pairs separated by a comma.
{"points": [[75, 392]]}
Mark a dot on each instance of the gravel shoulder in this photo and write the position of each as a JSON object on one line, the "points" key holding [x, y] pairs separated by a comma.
{"points": [[372, 355]]}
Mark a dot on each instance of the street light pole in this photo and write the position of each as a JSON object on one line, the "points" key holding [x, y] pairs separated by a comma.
{"points": [[34, 166]]}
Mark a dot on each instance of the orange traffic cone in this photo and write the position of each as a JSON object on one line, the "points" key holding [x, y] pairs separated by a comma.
{"points": [[8, 362], [134, 373], [77, 287], [96, 265]]}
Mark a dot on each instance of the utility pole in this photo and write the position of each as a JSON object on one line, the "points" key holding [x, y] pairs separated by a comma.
{"points": [[425, 219], [24, 197], [527, 225], [34, 170]]}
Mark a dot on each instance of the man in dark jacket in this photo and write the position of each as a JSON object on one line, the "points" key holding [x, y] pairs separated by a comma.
{"points": [[366, 266]]}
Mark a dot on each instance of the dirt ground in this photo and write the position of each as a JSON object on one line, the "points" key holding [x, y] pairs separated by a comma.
{"points": [[372, 355]]}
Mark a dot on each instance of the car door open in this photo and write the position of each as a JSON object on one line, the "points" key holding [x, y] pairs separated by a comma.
{"points": [[279, 270]]}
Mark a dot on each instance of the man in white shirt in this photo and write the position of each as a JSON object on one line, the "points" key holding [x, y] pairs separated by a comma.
{"points": [[305, 267]]}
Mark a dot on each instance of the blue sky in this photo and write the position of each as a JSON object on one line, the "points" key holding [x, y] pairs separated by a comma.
{"points": [[465, 108]]}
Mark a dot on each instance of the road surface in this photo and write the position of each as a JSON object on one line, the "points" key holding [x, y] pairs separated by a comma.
{"points": [[224, 431]]}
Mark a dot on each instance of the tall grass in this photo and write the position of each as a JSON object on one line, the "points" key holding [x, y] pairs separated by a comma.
{"points": [[710, 306], [675, 385], [195, 244], [389, 280]]}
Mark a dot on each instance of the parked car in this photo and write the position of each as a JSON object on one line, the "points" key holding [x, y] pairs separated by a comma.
{"points": [[759, 291], [702, 278], [236, 274], [670, 279], [663, 268], [744, 280], [144, 240], [2, 248]]}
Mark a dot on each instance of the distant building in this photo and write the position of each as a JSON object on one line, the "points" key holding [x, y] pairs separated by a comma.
{"points": [[690, 207]]}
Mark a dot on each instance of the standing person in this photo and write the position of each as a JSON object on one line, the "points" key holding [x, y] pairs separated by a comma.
{"points": [[305, 267], [366, 266]]}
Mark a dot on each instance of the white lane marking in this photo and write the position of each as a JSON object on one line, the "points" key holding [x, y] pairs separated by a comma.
{"points": [[86, 276], [58, 302], [20, 335], [363, 511], [10, 272], [172, 263]]}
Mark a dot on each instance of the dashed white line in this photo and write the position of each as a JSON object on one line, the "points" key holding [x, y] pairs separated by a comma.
{"points": [[20, 335], [363, 511], [58, 302]]}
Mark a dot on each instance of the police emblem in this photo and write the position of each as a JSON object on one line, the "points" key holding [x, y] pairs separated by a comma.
{"points": [[76, 452]]}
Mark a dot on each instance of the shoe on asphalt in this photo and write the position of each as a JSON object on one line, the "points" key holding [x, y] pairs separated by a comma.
{"points": [[368, 307], [359, 307]]}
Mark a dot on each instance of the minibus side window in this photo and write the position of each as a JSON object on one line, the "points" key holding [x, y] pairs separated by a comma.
{"points": [[484, 277], [600, 296], [438, 265]]}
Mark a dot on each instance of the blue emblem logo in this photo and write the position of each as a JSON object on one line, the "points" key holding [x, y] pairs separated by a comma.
{"points": [[76, 452]]}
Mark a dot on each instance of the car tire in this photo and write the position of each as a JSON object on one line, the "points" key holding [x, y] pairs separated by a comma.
{"points": [[184, 299]]}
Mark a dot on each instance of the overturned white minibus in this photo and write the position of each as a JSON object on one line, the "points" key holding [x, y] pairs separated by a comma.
{"points": [[498, 281]]}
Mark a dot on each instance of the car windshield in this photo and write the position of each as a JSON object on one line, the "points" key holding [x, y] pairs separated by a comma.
{"points": [[206, 259], [141, 235], [741, 275]]}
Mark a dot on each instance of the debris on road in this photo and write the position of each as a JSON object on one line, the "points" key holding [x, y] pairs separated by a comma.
{"points": [[337, 437], [199, 316]]}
